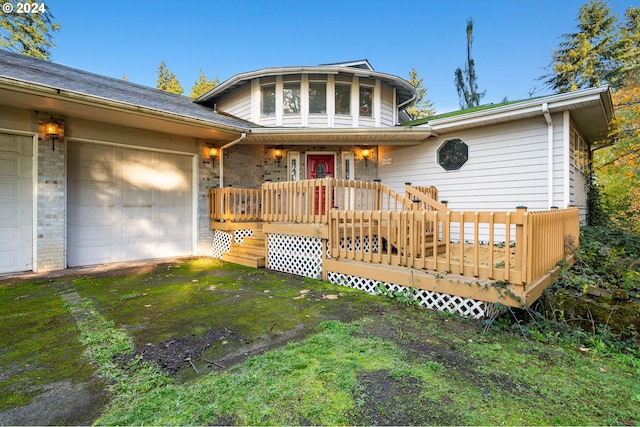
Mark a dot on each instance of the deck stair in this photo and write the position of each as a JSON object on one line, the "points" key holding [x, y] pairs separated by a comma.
{"points": [[252, 253], [442, 246]]}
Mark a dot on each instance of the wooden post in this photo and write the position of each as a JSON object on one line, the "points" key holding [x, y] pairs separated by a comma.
{"points": [[521, 256]]}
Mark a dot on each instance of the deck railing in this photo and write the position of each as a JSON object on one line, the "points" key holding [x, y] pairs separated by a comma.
{"points": [[535, 241], [309, 201], [234, 204]]}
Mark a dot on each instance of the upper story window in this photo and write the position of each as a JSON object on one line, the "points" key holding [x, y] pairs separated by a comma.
{"points": [[291, 98], [366, 101], [268, 102], [453, 154], [343, 98], [317, 97]]}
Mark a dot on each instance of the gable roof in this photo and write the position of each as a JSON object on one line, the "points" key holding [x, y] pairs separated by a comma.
{"points": [[406, 92], [591, 109], [26, 75]]}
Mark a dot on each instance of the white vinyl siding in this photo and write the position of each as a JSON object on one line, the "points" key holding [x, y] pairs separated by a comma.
{"points": [[386, 107], [237, 103], [506, 167]]}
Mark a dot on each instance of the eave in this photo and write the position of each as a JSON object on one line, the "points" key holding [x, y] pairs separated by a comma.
{"points": [[37, 97], [309, 136], [591, 109]]}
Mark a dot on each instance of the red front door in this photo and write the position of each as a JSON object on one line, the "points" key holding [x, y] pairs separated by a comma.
{"points": [[320, 166]]}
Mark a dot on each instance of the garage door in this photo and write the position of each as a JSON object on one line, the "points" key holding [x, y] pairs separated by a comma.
{"points": [[127, 204], [16, 203]]}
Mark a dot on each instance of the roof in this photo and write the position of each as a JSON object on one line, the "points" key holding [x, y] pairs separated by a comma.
{"points": [[591, 109], [406, 92], [31, 74]]}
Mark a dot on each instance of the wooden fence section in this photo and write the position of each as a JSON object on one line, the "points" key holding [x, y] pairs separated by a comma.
{"points": [[528, 245], [234, 204], [309, 201]]}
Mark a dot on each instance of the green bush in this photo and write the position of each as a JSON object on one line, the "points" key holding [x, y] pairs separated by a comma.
{"points": [[608, 258]]}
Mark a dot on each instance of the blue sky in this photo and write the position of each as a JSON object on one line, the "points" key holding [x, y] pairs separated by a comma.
{"points": [[513, 39]]}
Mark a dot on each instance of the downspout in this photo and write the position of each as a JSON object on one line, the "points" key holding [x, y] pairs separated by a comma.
{"points": [[224, 147], [547, 117]]}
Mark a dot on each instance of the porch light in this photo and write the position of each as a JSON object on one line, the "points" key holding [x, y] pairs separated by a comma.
{"points": [[366, 154], [52, 132], [278, 155], [213, 154]]}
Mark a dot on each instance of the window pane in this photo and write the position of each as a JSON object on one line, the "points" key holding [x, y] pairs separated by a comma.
{"points": [[343, 98], [317, 97], [366, 101], [291, 98], [268, 100]]}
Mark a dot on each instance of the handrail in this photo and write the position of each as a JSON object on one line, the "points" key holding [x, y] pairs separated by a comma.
{"points": [[234, 204], [428, 197], [309, 201], [515, 247]]}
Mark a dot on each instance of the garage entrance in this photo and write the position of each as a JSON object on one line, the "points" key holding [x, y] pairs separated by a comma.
{"points": [[16, 203], [126, 204]]}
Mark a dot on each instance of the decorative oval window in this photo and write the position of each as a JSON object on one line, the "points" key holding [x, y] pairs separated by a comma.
{"points": [[453, 154]]}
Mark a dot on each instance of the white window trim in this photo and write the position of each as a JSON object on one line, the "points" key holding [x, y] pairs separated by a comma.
{"points": [[350, 173]]}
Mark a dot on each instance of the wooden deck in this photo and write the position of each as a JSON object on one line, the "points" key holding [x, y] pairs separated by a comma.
{"points": [[411, 239]]}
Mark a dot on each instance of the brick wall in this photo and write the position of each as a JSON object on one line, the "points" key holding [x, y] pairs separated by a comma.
{"points": [[51, 206]]}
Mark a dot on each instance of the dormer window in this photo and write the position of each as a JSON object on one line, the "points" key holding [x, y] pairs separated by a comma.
{"points": [[291, 98], [343, 98], [268, 102], [317, 97], [366, 101]]}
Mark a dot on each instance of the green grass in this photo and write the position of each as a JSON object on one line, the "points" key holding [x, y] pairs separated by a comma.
{"points": [[368, 361], [39, 343]]}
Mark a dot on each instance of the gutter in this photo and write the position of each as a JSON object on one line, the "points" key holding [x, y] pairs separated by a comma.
{"points": [[547, 117], [224, 147]]}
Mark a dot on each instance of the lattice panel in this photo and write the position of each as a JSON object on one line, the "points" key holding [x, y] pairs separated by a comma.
{"points": [[295, 254], [221, 243], [239, 236], [428, 299], [361, 244]]}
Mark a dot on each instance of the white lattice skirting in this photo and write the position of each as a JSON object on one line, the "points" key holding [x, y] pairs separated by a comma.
{"points": [[295, 254], [433, 300], [222, 241]]}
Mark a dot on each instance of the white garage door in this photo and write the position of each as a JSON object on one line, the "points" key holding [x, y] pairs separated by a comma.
{"points": [[126, 204], [16, 203]]}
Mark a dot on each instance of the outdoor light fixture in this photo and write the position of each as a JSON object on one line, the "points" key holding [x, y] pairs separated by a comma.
{"points": [[213, 154], [366, 153], [52, 131], [278, 155]]}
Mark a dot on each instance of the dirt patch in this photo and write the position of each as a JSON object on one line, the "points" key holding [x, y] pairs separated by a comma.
{"points": [[388, 401], [173, 355]]}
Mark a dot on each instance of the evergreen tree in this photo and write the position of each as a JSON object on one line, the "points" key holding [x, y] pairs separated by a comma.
{"points": [[465, 82], [422, 107], [30, 34], [593, 55], [167, 81], [203, 85]]}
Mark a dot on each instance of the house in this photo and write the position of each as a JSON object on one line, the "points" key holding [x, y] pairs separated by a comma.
{"points": [[99, 170]]}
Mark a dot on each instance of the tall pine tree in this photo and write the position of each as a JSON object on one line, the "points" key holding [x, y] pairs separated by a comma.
{"points": [[203, 85], [30, 34], [167, 81], [591, 56], [422, 107], [465, 82]]}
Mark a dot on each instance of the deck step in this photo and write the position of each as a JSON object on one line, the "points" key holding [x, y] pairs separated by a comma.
{"points": [[248, 260]]}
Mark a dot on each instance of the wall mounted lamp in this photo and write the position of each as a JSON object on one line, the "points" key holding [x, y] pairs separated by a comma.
{"points": [[52, 131], [213, 154], [366, 154], [278, 155]]}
